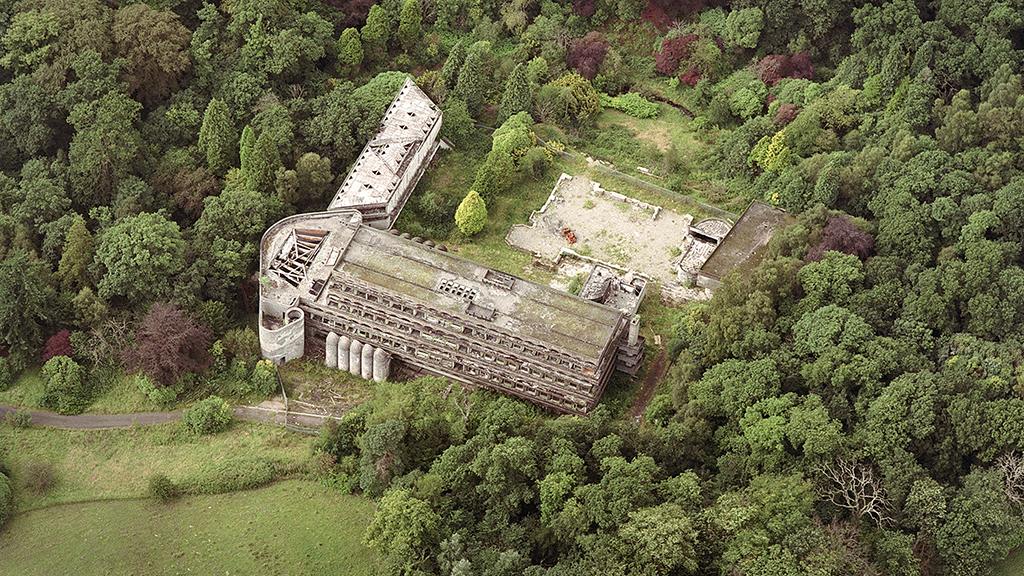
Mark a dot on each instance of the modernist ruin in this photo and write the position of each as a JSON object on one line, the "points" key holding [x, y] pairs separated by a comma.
{"points": [[743, 246], [362, 298], [340, 286], [390, 165]]}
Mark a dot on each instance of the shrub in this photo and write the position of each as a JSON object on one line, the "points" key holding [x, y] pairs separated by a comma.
{"points": [[18, 419], [471, 215], [6, 499], [162, 488], [6, 373], [631, 103], [58, 345], [242, 343], [66, 390], [586, 54], [263, 380], [207, 416], [570, 101], [161, 396], [673, 51], [39, 477], [232, 475]]}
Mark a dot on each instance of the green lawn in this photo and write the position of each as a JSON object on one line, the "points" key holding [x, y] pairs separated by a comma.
{"points": [[1012, 566], [108, 464], [293, 527]]}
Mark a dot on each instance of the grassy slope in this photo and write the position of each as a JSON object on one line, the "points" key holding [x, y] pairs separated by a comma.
{"points": [[293, 527], [1012, 566], [107, 464]]}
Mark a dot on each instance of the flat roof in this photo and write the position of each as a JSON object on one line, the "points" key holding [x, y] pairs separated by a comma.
{"points": [[374, 176], [439, 280], [743, 247]]}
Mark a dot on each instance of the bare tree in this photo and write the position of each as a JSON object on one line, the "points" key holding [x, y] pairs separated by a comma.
{"points": [[1011, 465], [854, 486]]}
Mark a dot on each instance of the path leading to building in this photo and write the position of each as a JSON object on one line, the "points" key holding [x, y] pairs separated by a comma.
{"points": [[265, 413], [654, 375]]}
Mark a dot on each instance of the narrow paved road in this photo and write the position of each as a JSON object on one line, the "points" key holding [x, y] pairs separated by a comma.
{"points": [[94, 421]]}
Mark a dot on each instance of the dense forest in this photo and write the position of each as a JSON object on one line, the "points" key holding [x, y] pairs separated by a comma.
{"points": [[854, 406]]}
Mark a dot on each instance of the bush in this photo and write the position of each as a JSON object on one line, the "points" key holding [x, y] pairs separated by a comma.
{"points": [[39, 477], [58, 345], [66, 389], [18, 419], [631, 103], [160, 395], [6, 499], [263, 380], [207, 416], [232, 475], [471, 215], [6, 373], [162, 488]]}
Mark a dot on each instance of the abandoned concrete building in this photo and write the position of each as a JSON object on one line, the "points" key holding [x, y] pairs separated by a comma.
{"points": [[744, 244], [343, 286], [392, 162], [362, 298]]}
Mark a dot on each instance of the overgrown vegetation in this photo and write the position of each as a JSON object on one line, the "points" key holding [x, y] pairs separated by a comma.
{"points": [[850, 406]]}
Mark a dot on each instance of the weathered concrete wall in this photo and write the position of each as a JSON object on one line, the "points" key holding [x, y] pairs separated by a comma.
{"points": [[286, 342]]}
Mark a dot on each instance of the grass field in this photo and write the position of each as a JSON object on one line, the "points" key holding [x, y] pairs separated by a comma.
{"points": [[108, 464], [293, 527], [1012, 566]]}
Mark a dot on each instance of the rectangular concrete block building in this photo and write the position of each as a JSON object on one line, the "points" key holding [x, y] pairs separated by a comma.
{"points": [[363, 297], [390, 165]]}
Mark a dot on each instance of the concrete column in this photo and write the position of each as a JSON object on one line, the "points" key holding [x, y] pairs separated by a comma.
{"points": [[355, 354], [634, 330], [381, 365], [366, 362], [331, 351], [344, 343]]}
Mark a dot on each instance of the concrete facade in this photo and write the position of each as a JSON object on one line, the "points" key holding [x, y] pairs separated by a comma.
{"points": [[391, 298], [390, 165]]}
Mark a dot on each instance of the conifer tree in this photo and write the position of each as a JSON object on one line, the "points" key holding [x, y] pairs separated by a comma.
{"points": [[471, 215], [263, 163], [246, 145], [410, 24], [376, 33], [450, 70], [472, 83], [217, 137], [350, 50], [76, 257], [517, 97]]}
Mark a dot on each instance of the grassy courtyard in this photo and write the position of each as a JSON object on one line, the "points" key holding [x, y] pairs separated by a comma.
{"points": [[294, 527]]}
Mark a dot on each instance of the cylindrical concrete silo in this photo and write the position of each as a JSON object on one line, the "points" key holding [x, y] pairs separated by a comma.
{"points": [[343, 345], [367, 362], [381, 365], [331, 351], [355, 352]]}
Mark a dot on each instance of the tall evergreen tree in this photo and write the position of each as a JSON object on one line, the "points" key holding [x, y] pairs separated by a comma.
{"points": [[376, 33], [518, 96], [450, 70], [472, 83], [246, 145], [77, 256], [410, 24], [217, 137], [263, 164], [350, 50]]}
